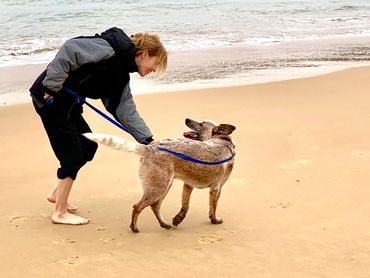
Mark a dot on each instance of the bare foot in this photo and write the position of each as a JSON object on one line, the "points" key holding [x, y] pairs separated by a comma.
{"points": [[68, 219], [52, 199]]}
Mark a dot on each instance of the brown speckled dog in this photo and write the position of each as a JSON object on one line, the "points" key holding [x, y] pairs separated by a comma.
{"points": [[207, 142]]}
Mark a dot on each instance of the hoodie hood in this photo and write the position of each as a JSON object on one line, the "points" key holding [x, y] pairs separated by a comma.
{"points": [[123, 46]]}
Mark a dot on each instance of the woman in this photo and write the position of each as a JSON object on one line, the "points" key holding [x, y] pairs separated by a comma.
{"points": [[94, 67]]}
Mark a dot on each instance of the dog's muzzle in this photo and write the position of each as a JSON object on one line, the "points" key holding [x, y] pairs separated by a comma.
{"points": [[191, 135]]}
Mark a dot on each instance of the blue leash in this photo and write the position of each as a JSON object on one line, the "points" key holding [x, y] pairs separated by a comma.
{"points": [[180, 155], [101, 113]]}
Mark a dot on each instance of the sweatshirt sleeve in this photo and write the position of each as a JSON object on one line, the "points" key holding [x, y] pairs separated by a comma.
{"points": [[73, 54], [128, 116]]}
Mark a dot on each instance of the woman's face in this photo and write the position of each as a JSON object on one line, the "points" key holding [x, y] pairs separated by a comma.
{"points": [[146, 63]]}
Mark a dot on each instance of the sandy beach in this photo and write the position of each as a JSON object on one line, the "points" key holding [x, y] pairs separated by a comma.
{"points": [[296, 205]]}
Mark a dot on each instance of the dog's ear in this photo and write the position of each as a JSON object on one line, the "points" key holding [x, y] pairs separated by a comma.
{"points": [[223, 129]]}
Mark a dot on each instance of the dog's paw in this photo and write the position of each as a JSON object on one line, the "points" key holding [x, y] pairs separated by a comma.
{"points": [[177, 220], [166, 226], [134, 228], [216, 220]]}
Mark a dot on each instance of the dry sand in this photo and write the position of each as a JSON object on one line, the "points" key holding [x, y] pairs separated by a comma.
{"points": [[296, 205]]}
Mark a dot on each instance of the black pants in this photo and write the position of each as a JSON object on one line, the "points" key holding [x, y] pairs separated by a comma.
{"points": [[64, 125]]}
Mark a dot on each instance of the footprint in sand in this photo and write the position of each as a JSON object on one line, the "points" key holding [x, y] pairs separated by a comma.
{"points": [[282, 205], [101, 228], [208, 239], [108, 239], [63, 242], [71, 260], [16, 222]]}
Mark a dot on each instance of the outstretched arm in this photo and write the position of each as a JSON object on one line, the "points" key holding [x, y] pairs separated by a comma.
{"points": [[128, 116]]}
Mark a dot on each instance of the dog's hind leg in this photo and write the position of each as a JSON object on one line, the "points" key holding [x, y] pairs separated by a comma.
{"points": [[148, 199], [156, 207], [143, 203], [214, 195], [186, 192], [155, 190]]}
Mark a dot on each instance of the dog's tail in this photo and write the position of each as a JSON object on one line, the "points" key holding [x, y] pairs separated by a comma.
{"points": [[117, 143]]}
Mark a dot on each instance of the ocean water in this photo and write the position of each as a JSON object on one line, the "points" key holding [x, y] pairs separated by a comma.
{"points": [[211, 42]]}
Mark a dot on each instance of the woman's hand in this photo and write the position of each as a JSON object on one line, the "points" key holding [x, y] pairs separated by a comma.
{"points": [[155, 143], [48, 98]]}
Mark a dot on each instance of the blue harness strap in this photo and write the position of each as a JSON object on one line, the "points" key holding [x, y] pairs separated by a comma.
{"points": [[113, 121], [192, 159]]}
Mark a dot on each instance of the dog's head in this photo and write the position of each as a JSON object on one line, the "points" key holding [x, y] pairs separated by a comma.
{"points": [[205, 130]]}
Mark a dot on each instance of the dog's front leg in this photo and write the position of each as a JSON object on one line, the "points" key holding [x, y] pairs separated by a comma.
{"points": [[186, 192], [214, 195]]}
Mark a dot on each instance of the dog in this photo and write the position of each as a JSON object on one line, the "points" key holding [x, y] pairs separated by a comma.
{"points": [[206, 142]]}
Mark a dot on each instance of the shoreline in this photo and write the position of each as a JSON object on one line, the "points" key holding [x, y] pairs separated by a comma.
{"points": [[236, 65], [324, 43], [15, 80], [246, 79]]}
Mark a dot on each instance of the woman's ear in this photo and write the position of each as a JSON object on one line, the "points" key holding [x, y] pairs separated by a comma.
{"points": [[145, 54], [142, 55]]}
